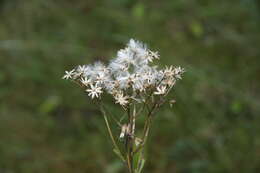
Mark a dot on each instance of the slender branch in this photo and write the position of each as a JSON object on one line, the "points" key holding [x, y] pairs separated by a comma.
{"points": [[145, 134], [146, 127], [113, 117], [111, 134], [128, 142], [140, 110], [122, 118]]}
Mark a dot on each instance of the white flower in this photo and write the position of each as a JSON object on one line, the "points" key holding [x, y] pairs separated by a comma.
{"points": [[160, 90], [82, 69], [178, 71], [125, 56], [85, 81], [132, 78], [123, 80], [136, 45], [138, 85], [116, 67], [69, 74], [154, 54], [99, 67], [169, 71], [94, 91], [139, 52], [170, 81], [121, 99], [151, 56], [109, 86]]}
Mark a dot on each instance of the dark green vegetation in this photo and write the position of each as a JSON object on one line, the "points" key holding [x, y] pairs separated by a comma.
{"points": [[49, 125]]}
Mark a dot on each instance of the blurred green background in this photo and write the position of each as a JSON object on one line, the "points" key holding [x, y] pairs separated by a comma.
{"points": [[49, 125]]}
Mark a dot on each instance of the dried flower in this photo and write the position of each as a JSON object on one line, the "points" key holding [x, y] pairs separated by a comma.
{"points": [[125, 130], [138, 141]]}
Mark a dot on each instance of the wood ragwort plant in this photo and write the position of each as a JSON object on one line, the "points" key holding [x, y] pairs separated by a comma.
{"points": [[138, 87]]}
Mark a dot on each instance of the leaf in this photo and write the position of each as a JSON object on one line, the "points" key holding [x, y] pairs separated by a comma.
{"points": [[141, 166]]}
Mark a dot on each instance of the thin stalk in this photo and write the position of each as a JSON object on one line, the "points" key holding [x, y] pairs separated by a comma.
{"points": [[129, 156], [111, 134], [129, 147], [146, 127], [113, 117], [134, 117], [145, 135]]}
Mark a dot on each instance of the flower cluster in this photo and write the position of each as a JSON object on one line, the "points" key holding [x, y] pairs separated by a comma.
{"points": [[129, 77]]}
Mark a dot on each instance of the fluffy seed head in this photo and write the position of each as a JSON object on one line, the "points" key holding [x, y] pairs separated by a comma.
{"points": [[128, 77]]}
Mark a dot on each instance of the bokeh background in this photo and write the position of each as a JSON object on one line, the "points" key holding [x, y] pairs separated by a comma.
{"points": [[49, 125]]}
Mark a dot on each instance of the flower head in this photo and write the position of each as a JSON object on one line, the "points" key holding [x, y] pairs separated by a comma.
{"points": [[169, 71], [69, 74], [94, 91], [121, 99], [178, 72], [85, 81], [82, 69]]}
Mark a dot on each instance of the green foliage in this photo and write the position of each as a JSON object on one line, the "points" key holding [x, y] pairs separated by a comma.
{"points": [[49, 125]]}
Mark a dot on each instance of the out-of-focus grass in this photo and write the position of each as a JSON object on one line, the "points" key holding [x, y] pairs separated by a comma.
{"points": [[49, 125]]}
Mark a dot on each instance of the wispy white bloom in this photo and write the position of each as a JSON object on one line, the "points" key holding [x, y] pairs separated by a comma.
{"points": [[160, 90], [129, 72], [100, 77], [94, 91], [99, 67], [136, 45], [69, 74]]}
